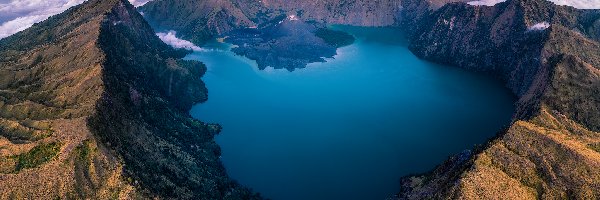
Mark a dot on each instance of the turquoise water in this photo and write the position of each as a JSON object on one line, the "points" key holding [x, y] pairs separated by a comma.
{"points": [[348, 128]]}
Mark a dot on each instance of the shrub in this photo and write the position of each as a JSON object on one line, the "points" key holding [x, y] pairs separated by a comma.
{"points": [[37, 156], [595, 147]]}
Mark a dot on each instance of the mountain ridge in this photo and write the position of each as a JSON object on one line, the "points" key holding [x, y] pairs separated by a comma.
{"points": [[108, 120], [553, 70], [94, 105]]}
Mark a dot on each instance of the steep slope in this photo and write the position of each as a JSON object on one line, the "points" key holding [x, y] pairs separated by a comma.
{"points": [[94, 105], [502, 40], [272, 37], [356, 12], [249, 24], [549, 56], [351, 12], [199, 21]]}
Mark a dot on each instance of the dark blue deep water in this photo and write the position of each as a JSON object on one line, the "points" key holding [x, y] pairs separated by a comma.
{"points": [[348, 128]]}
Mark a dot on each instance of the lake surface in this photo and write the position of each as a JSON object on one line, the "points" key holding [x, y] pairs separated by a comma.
{"points": [[348, 128]]}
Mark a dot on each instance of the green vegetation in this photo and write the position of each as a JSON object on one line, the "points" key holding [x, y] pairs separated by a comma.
{"points": [[595, 147], [33, 158], [83, 163], [335, 38], [85, 152], [37, 156]]}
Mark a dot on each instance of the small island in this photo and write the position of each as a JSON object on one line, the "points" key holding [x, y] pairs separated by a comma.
{"points": [[288, 43]]}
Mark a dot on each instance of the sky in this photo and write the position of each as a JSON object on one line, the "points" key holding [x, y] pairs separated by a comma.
{"points": [[582, 4], [18, 15]]}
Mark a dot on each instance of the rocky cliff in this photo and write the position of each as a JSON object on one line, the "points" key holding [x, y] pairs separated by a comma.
{"points": [[93, 105], [549, 56], [356, 12], [272, 35], [199, 20], [350, 12]]}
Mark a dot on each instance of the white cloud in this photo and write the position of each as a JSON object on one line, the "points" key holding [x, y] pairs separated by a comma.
{"points": [[12, 9], [18, 15], [171, 39], [581, 4], [539, 26], [19, 24], [138, 3], [485, 2]]}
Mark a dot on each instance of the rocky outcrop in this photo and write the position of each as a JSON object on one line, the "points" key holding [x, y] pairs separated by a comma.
{"points": [[548, 55], [94, 105]]}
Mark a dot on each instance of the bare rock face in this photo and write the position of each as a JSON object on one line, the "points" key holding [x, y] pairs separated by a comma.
{"points": [[353, 12], [94, 106], [198, 21], [359, 13], [549, 56]]}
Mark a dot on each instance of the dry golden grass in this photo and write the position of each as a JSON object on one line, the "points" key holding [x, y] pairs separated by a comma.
{"points": [[533, 161]]}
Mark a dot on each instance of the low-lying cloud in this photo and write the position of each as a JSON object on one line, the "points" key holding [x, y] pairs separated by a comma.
{"points": [[137, 3], [171, 39], [485, 2], [18, 15], [539, 26]]}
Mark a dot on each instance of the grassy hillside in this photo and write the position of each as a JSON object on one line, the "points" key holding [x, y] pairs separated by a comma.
{"points": [[548, 151], [94, 105]]}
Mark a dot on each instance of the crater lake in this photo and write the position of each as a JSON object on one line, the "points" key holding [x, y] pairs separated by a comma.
{"points": [[348, 128]]}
